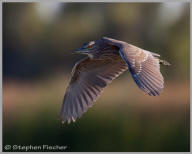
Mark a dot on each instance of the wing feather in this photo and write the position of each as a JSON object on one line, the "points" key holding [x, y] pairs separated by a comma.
{"points": [[88, 79], [144, 68]]}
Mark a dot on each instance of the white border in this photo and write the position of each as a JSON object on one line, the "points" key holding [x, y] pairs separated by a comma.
{"points": [[108, 1], [1, 69]]}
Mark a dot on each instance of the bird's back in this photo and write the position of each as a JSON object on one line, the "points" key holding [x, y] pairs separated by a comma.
{"points": [[104, 50]]}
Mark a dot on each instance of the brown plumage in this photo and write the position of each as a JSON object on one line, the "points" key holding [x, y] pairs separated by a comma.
{"points": [[107, 59]]}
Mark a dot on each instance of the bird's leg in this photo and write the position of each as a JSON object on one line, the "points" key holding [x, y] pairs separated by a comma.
{"points": [[164, 62]]}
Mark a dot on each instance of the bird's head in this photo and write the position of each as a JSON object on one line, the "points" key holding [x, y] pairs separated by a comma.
{"points": [[85, 49]]}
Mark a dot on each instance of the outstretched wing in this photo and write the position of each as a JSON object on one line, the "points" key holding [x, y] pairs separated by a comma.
{"points": [[88, 79], [144, 68]]}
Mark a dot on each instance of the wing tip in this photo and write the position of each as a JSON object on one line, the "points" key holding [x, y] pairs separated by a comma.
{"points": [[67, 120]]}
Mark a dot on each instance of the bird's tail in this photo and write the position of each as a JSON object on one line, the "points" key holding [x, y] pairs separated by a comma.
{"points": [[164, 62]]}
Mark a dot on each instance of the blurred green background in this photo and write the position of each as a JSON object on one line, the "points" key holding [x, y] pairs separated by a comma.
{"points": [[37, 42]]}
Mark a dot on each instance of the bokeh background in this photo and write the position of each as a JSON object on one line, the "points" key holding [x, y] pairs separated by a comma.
{"points": [[37, 42]]}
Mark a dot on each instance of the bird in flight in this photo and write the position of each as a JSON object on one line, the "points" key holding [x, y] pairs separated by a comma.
{"points": [[107, 59]]}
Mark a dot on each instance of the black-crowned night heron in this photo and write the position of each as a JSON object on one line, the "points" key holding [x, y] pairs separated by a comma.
{"points": [[107, 59]]}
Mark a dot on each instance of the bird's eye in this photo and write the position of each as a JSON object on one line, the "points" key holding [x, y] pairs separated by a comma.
{"points": [[91, 43]]}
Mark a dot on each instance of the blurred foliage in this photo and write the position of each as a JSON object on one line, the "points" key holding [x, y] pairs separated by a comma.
{"points": [[37, 42], [33, 46]]}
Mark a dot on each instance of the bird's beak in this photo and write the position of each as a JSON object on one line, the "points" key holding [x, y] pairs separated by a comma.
{"points": [[80, 51]]}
